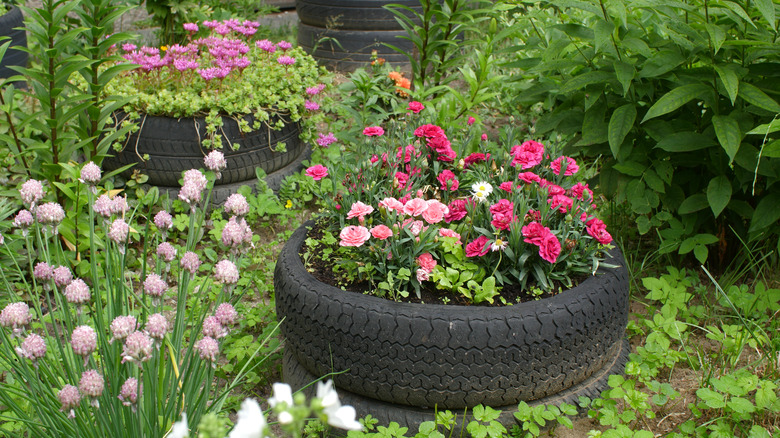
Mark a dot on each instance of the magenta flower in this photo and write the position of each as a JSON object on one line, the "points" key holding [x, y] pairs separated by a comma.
{"points": [[190, 27], [285, 60], [326, 140], [129, 392], [311, 106], [317, 172]]}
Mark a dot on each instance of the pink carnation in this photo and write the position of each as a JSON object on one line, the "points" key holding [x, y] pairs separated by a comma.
{"points": [[478, 247], [435, 211], [317, 172], [426, 262], [415, 207], [381, 232], [571, 166], [354, 236], [448, 180], [373, 131], [529, 177], [446, 232], [598, 230], [416, 107], [359, 210], [392, 204], [528, 154], [550, 248]]}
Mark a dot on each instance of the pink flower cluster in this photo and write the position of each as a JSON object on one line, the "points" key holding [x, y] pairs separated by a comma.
{"points": [[437, 140]]}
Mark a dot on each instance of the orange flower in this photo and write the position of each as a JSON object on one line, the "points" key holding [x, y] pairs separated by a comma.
{"points": [[403, 83], [396, 76], [378, 61]]}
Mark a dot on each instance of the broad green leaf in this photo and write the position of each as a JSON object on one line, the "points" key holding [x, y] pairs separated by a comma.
{"points": [[741, 405], [711, 398], [602, 30], [771, 150], [643, 224], [685, 142], [719, 194], [693, 204], [580, 81], [767, 9], [766, 128], [737, 9], [727, 131], [625, 73], [620, 124], [630, 168], [766, 213], [675, 99], [730, 81], [660, 63], [752, 94], [717, 35], [654, 181], [701, 252], [757, 431]]}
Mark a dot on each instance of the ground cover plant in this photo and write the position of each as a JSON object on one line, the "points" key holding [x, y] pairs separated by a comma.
{"points": [[705, 347]]}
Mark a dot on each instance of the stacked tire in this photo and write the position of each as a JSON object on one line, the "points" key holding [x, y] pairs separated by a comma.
{"points": [[12, 26], [164, 147], [342, 34]]}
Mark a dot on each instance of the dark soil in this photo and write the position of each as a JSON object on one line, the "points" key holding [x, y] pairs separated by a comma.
{"points": [[322, 270]]}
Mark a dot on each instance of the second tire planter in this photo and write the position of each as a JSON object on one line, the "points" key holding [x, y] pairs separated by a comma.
{"points": [[11, 26], [418, 357], [342, 34], [174, 145]]}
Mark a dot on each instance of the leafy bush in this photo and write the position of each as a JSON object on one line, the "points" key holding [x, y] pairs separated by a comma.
{"points": [[679, 97]]}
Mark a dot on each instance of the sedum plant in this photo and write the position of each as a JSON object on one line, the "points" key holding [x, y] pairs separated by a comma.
{"points": [[681, 100], [263, 85], [115, 352]]}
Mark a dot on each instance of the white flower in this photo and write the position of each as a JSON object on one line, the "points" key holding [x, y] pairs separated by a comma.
{"points": [[482, 187], [250, 422], [327, 394], [282, 394], [498, 245], [180, 428], [285, 417], [343, 418]]}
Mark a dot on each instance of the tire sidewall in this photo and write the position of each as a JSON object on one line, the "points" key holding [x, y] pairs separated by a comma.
{"points": [[9, 24], [450, 356]]}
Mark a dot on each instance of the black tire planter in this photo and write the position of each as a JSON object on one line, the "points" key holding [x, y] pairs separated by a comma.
{"points": [[411, 417], [12, 26], [352, 14], [453, 357], [174, 145], [354, 48]]}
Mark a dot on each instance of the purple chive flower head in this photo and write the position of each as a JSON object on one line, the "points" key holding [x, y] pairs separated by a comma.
{"points": [[212, 328], [15, 315], [129, 392], [237, 205], [163, 220], [102, 205], [226, 272], [154, 285], [226, 314], [90, 173], [33, 347], [83, 340], [118, 231], [122, 327], [91, 383], [284, 45], [326, 140], [190, 27], [70, 398], [62, 276], [266, 46], [311, 106], [285, 60], [156, 326], [208, 348], [31, 192], [23, 219], [77, 292], [119, 205], [190, 262], [215, 161], [43, 271], [138, 348], [166, 252], [51, 214], [235, 233]]}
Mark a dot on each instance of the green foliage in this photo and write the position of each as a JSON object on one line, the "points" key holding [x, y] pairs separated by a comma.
{"points": [[680, 98], [535, 419]]}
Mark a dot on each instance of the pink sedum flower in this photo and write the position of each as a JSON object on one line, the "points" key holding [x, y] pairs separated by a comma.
{"points": [[326, 140]]}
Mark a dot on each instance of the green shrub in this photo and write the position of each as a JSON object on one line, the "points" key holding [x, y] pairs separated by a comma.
{"points": [[679, 97]]}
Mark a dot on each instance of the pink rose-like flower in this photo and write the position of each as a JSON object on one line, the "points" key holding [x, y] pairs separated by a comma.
{"points": [[373, 131], [506, 186], [478, 247], [550, 248], [415, 207], [552, 189], [426, 262], [529, 177], [484, 137], [503, 206], [392, 204], [598, 230], [457, 210], [502, 221], [414, 227], [534, 233], [429, 131], [317, 172], [471, 120], [448, 180], [435, 212], [422, 275], [359, 210], [528, 154], [476, 157], [563, 203], [381, 232], [571, 166], [354, 236], [416, 107], [580, 191]]}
